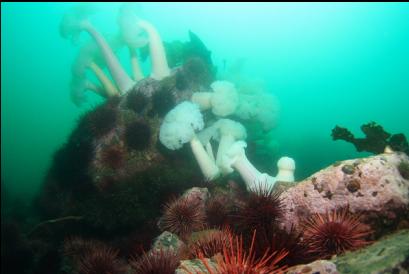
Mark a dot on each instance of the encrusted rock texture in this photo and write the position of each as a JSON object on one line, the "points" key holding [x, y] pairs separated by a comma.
{"points": [[141, 110], [389, 255], [376, 187], [319, 266]]}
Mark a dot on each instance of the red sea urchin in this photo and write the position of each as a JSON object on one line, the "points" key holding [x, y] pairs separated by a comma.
{"points": [[236, 260], [159, 261], [334, 233], [291, 241], [182, 216], [217, 210], [101, 260], [208, 243], [260, 210]]}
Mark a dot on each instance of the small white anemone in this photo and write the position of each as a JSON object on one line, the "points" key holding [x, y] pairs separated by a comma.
{"points": [[286, 168]]}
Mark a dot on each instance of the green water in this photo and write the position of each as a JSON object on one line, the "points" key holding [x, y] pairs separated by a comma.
{"points": [[328, 64]]}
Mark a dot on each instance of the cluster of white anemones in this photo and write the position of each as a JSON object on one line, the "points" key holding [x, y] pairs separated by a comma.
{"points": [[181, 126]]}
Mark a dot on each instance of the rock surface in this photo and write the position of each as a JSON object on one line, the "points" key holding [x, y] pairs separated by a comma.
{"points": [[197, 194], [388, 255], [167, 241], [195, 266], [320, 266], [374, 186]]}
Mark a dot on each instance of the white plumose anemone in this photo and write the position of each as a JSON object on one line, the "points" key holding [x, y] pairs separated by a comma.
{"points": [[223, 100], [179, 127]]}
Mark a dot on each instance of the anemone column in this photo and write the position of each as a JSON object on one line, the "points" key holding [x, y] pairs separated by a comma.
{"points": [[123, 81]]}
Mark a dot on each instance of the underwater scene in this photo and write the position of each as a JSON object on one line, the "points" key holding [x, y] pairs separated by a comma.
{"points": [[219, 138]]}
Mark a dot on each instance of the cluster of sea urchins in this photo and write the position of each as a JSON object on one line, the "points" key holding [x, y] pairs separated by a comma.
{"points": [[233, 248], [255, 217]]}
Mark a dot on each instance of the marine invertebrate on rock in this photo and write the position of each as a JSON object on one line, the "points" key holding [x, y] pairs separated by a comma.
{"points": [[236, 158], [101, 260], [78, 87], [334, 233], [290, 241], [227, 132], [138, 135], [217, 210], [182, 216], [132, 35], [223, 100], [268, 110], [348, 169], [375, 141], [102, 120], [136, 101], [179, 127], [286, 167], [261, 210], [257, 105], [113, 156], [208, 243], [353, 185], [163, 261], [160, 68], [93, 257], [163, 101], [88, 58], [236, 259], [74, 22]]}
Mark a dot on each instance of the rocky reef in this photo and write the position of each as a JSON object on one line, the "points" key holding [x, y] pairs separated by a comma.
{"points": [[376, 186], [157, 178], [388, 255]]}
